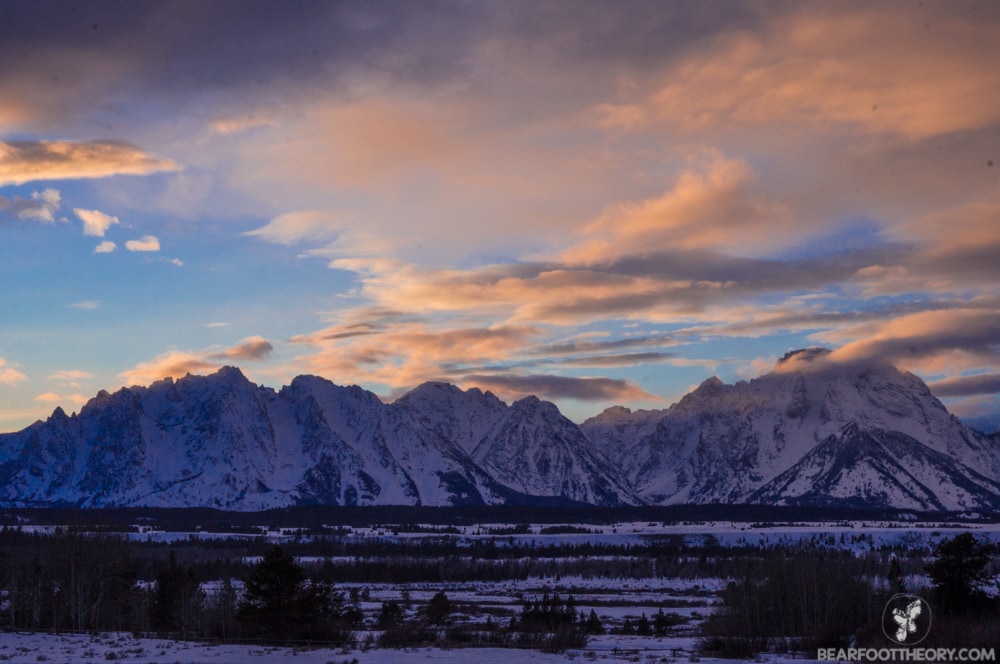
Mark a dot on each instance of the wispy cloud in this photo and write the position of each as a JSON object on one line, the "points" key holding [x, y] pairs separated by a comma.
{"points": [[70, 377], [53, 398], [815, 69], [105, 247], [251, 348], [9, 375], [561, 387], [177, 364], [27, 161], [964, 386], [86, 305]]}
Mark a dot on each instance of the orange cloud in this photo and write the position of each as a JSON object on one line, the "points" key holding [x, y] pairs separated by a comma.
{"points": [[9, 375], [27, 161], [53, 398], [406, 354], [177, 364], [251, 348], [509, 387], [876, 69], [710, 210], [947, 340]]}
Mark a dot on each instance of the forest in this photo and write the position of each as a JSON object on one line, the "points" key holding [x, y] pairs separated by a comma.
{"points": [[420, 584]]}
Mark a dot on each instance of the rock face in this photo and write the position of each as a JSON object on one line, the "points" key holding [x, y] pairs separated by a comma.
{"points": [[809, 433]]}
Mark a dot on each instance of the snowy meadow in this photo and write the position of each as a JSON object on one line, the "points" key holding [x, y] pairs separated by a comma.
{"points": [[636, 591]]}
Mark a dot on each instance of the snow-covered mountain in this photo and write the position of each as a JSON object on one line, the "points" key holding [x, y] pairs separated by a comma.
{"points": [[812, 432], [221, 441]]}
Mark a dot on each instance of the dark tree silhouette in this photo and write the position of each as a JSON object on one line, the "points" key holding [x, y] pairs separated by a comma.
{"points": [[959, 574], [439, 608], [279, 606], [390, 616], [177, 599]]}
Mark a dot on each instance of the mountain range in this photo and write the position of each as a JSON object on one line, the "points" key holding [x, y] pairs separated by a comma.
{"points": [[811, 432]]}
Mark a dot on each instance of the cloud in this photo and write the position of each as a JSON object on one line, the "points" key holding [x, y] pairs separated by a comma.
{"points": [[876, 70], [304, 226], [589, 345], [559, 387], [711, 210], [86, 305], [620, 360], [236, 125], [930, 341], [27, 161], [964, 386], [95, 222], [70, 377], [177, 364], [42, 205], [146, 243], [9, 375], [660, 285], [338, 234], [105, 247], [53, 398], [251, 348]]}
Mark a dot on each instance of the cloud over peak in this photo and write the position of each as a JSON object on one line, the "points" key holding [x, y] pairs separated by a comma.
{"points": [[177, 364]]}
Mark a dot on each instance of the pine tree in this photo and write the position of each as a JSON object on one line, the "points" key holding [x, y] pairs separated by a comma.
{"points": [[593, 624], [271, 607], [959, 573], [439, 608]]}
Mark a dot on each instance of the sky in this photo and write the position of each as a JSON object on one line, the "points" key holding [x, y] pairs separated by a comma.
{"points": [[597, 203]]}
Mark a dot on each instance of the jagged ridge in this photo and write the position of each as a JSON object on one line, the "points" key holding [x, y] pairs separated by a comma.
{"points": [[811, 432]]}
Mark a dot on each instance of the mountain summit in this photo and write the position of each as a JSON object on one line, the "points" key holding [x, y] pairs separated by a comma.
{"points": [[762, 441], [811, 432]]}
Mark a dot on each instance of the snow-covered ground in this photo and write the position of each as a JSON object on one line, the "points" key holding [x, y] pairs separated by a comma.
{"points": [[613, 599], [20, 648]]}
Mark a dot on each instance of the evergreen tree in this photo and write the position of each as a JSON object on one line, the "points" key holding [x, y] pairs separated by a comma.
{"points": [[959, 574], [177, 600], [390, 616], [439, 608], [895, 577], [279, 605], [271, 608], [593, 624]]}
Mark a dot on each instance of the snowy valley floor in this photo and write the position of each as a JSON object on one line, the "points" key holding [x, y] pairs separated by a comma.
{"points": [[75, 648], [620, 588]]}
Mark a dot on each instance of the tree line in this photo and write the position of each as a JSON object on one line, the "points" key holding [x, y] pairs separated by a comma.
{"points": [[801, 600]]}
